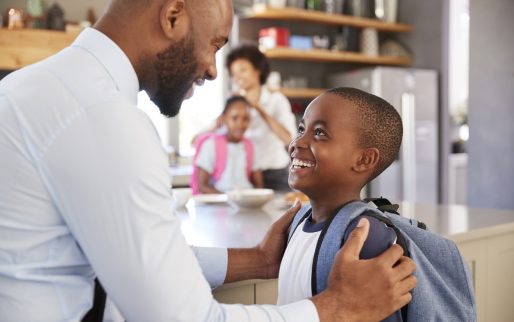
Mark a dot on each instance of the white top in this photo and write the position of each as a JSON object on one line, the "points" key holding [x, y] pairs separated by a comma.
{"points": [[84, 191], [271, 152], [294, 278], [234, 176]]}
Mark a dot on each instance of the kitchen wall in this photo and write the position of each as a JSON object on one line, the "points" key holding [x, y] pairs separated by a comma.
{"points": [[74, 10], [491, 104], [428, 44]]}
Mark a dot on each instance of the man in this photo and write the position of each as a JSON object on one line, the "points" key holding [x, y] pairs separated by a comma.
{"points": [[84, 186]]}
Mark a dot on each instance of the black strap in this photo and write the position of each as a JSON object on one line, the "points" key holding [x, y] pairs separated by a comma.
{"points": [[96, 314]]}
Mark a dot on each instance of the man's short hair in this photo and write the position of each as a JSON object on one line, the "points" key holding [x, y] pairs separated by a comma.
{"points": [[254, 56], [379, 124]]}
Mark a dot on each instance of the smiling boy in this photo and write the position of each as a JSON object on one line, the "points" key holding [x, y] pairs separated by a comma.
{"points": [[346, 138]]}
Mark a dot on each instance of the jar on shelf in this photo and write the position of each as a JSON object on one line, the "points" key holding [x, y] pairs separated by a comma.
{"points": [[313, 5]]}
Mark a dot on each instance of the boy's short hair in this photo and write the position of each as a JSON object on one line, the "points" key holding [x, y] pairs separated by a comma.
{"points": [[254, 56], [234, 99], [379, 124]]}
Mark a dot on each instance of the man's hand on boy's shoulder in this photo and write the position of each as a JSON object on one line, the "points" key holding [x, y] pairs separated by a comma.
{"points": [[365, 289]]}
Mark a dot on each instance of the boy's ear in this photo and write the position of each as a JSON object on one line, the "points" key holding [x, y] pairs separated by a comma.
{"points": [[367, 160], [174, 19]]}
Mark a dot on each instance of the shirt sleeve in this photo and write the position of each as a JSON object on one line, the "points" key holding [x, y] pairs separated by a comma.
{"points": [[206, 156], [255, 163], [113, 192], [213, 261]]}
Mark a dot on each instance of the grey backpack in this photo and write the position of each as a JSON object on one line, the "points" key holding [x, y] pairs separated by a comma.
{"points": [[444, 290]]}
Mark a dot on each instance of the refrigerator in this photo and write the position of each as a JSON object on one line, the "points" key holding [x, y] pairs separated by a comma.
{"points": [[413, 176]]}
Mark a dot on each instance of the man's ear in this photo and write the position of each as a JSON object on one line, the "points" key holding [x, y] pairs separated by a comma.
{"points": [[367, 160], [174, 19]]}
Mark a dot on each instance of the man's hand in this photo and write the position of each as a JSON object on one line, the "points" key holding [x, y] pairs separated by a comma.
{"points": [[365, 290], [262, 261]]}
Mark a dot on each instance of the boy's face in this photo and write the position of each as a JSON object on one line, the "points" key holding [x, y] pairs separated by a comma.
{"points": [[324, 151], [237, 120]]}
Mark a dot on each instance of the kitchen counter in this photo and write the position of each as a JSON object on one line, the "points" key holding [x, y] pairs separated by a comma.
{"points": [[228, 226], [485, 238]]}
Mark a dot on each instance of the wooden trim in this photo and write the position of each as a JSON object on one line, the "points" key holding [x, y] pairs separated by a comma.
{"points": [[295, 14], [302, 93], [321, 55], [21, 47]]}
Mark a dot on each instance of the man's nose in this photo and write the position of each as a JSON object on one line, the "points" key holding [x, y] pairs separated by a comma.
{"points": [[212, 72]]}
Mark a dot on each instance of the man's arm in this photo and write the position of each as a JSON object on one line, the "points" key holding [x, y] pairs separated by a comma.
{"points": [[262, 261]]}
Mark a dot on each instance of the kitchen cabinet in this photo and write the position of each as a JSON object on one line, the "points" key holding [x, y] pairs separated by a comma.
{"points": [[490, 256], [21, 47], [302, 21]]}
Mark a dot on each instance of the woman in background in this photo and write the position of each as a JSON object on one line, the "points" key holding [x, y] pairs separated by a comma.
{"points": [[272, 124]]}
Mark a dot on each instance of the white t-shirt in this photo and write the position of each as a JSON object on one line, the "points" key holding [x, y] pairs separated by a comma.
{"points": [[234, 176], [294, 277], [271, 152]]}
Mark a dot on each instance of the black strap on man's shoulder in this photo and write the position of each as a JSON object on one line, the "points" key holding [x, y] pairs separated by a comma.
{"points": [[96, 314]]}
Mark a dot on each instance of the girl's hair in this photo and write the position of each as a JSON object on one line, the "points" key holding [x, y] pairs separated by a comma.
{"points": [[234, 99], [254, 56]]}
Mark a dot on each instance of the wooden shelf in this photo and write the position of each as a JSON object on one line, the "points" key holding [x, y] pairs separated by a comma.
{"points": [[295, 14], [302, 93], [23, 47], [321, 55]]}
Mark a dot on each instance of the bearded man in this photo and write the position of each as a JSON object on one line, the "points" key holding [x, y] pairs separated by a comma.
{"points": [[84, 188]]}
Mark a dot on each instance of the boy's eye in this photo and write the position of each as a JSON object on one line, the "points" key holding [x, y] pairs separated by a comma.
{"points": [[300, 128], [319, 132]]}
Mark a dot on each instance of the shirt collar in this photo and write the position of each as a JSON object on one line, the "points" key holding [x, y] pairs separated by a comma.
{"points": [[114, 60]]}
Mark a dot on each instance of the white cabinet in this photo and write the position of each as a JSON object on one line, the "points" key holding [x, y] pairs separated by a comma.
{"points": [[490, 254]]}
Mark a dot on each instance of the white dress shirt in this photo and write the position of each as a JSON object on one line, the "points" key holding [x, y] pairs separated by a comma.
{"points": [[271, 153], [84, 191]]}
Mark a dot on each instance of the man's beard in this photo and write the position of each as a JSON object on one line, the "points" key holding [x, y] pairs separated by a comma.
{"points": [[175, 68]]}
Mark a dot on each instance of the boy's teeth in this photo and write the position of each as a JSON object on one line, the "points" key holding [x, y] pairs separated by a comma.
{"points": [[299, 163]]}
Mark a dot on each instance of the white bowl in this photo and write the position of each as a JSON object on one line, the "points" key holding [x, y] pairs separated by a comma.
{"points": [[250, 197], [181, 196]]}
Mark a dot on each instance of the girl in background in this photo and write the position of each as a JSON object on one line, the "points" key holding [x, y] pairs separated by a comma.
{"points": [[226, 161]]}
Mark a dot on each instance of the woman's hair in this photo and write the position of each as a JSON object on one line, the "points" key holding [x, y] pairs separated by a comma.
{"points": [[234, 99], [252, 54]]}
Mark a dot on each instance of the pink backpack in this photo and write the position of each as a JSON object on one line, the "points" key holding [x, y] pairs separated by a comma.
{"points": [[220, 148]]}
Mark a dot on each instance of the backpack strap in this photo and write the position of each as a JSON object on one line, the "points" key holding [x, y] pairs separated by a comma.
{"points": [[330, 241], [385, 205], [200, 140], [300, 216], [249, 156], [96, 313], [220, 148]]}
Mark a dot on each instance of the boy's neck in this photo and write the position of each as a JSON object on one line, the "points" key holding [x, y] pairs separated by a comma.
{"points": [[324, 207]]}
